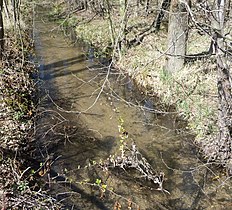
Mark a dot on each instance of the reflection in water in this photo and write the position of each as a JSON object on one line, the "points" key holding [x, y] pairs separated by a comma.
{"points": [[73, 82]]}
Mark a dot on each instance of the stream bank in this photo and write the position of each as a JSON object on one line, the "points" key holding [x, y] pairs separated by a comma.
{"points": [[85, 124], [192, 91], [17, 114], [20, 187]]}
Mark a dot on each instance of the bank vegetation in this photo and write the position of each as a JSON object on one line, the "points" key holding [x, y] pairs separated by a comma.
{"points": [[178, 51], [20, 169]]}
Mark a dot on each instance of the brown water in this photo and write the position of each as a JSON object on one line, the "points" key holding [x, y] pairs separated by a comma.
{"points": [[84, 124]]}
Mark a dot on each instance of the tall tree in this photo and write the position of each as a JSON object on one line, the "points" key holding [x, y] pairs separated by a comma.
{"points": [[224, 89], [177, 36], [1, 29], [123, 25]]}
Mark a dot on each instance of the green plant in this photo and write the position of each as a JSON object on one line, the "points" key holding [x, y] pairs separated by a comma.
{"points": [[98, 182], [165, 76], [57, 10], [72, 21], [101, 186], [22, 186], [184, 107], [18, 115]]}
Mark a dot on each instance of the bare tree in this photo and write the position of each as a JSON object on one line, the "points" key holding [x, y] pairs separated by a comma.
{"points": [[177, 36], [219, 148], [224, 89], [1, 29]]}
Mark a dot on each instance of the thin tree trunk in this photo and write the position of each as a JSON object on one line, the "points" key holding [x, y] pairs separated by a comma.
{"points": [[177, 36], [111, 28], [14, 13], [1, 30], [224, 92], [164, 7], [6, 9], [123, 25]]}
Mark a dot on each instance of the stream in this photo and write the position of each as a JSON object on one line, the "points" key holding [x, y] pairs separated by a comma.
{"points": [[78, 127]]}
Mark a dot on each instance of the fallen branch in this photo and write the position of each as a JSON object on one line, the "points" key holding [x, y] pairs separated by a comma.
{"points": [[131, 158]]}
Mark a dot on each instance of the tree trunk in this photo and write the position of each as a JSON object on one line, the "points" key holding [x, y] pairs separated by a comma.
{"points": [[224, 92], [110, 22], [124, 19], [177, 36], [1, 30], [164, 6]]}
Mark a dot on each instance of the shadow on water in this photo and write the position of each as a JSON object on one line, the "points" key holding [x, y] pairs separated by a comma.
{"points": [[60, 67], [70, 83]]}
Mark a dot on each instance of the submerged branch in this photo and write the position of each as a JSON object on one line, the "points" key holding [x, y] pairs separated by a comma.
{"points": [[131, 158]]}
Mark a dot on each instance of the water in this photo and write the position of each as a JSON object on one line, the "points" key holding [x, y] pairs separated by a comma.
{"points": [[79, 126]]}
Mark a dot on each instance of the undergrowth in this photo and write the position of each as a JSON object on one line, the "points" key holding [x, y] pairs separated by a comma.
{"points": [[20, 187]]}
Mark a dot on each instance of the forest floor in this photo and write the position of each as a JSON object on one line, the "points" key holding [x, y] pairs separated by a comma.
{"points": [[192, 90], [16, 93], [19, 171]]}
